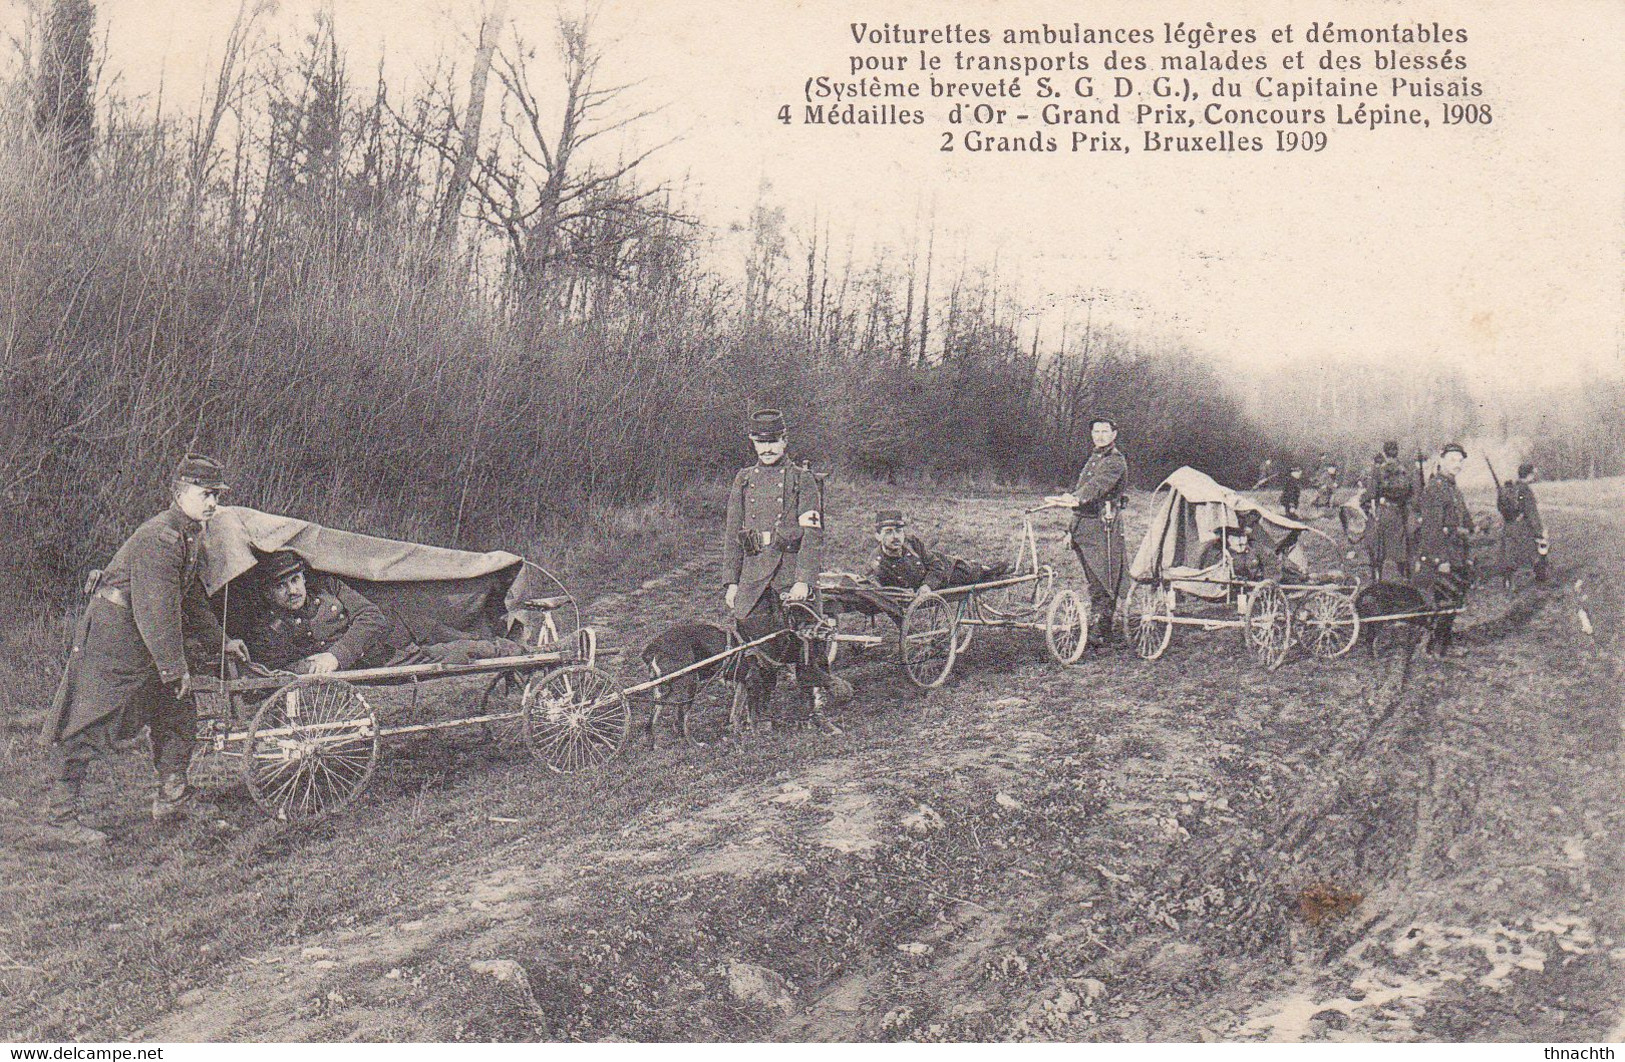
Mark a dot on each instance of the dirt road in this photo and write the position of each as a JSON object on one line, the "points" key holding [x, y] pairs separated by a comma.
{"points": [[1184, 849]]}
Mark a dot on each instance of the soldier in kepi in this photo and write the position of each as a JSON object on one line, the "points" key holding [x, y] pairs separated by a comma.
{"points": [[313, 623], [1523, 536], [1393, 483], [145, 629], [902, 560], [312, 626], [1444, 571], [1097, 526], [774, 539]]}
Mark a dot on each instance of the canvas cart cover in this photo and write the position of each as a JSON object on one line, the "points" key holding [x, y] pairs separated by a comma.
{"points": [[1187, 513], [432, 594]]}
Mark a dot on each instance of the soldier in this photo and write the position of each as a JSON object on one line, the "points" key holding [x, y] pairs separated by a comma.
{"points": [[146, 621], [313, 627], [902, 560], [1390, 538], [1097, 526], [1444, 571], [316, 624], [774, 538], [1292, 492], [1523, 536], [1325, 483]]}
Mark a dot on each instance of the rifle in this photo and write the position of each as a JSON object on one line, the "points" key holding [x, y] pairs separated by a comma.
{"points": [[1495, 479]]}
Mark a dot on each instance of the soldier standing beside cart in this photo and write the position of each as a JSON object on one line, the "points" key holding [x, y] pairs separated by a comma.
{"points": [[146, 619], [1097, 526], [774, 539], [1444, 571]]}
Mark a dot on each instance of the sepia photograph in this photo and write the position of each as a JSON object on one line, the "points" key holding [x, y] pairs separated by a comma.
{"points": [[812, 521]]}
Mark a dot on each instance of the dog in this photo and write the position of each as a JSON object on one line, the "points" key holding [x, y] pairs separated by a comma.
{"points": [[684, 645], [753, 674]]}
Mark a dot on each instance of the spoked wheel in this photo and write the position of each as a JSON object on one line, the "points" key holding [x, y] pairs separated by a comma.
{"points": [[575, 718], [1066, 628], [311, 749], [1148, 620], [1329, 624], [1268, 625], [927, 639]]}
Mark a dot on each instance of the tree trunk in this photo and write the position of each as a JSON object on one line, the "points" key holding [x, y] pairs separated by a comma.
{"points": [[461, 170]]}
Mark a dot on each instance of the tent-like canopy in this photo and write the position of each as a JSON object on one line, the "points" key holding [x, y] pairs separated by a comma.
{"points": [[432, 594], [1190, 510]]}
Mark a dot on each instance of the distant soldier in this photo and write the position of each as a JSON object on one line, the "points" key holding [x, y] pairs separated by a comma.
{"points": [[774, 538], [1394, 483], [1097, 526], [1366, 486], [148, 622], [1523, 536], [1443, 526], [902, 560], [1292, 492], [1325, 483]]}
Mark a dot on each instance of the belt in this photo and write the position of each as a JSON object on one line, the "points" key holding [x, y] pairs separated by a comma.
{"points": [[115, 595]]}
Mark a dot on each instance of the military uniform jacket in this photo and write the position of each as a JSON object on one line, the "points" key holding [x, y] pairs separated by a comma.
{"points": [[1394, 482], [1522, 531], [774, 534], [1102, 482], [1444, 523], [1524, 507], [911, 569], [147, 617], [334, 619]]}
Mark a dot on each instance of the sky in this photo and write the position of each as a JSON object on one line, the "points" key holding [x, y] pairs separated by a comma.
{"points": [[1495, 248]]}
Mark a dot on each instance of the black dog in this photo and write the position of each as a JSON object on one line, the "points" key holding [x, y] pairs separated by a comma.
{"points": [[684, 645]]}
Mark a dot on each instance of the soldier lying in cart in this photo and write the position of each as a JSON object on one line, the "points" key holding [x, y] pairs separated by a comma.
{"points": [[313, 623], [1254, 556], [902, 560]]}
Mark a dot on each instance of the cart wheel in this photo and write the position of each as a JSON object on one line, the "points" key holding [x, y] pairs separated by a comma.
{"points": [[1148, 623], [311, 749], [1331, 624], [575, 717], [1267, 625], [1066, 628], [963, 632], [926, 641]]}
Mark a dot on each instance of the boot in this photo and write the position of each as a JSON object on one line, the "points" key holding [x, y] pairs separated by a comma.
{"points": [[62, 826], [173, 797], [820, 700]]}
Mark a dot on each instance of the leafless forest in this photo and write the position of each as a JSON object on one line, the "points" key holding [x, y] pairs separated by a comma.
{"points": [[457, 315]]}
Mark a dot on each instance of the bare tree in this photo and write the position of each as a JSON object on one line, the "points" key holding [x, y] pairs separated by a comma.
{"points": [[64, 111], [463, 168], [558, 211]]}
